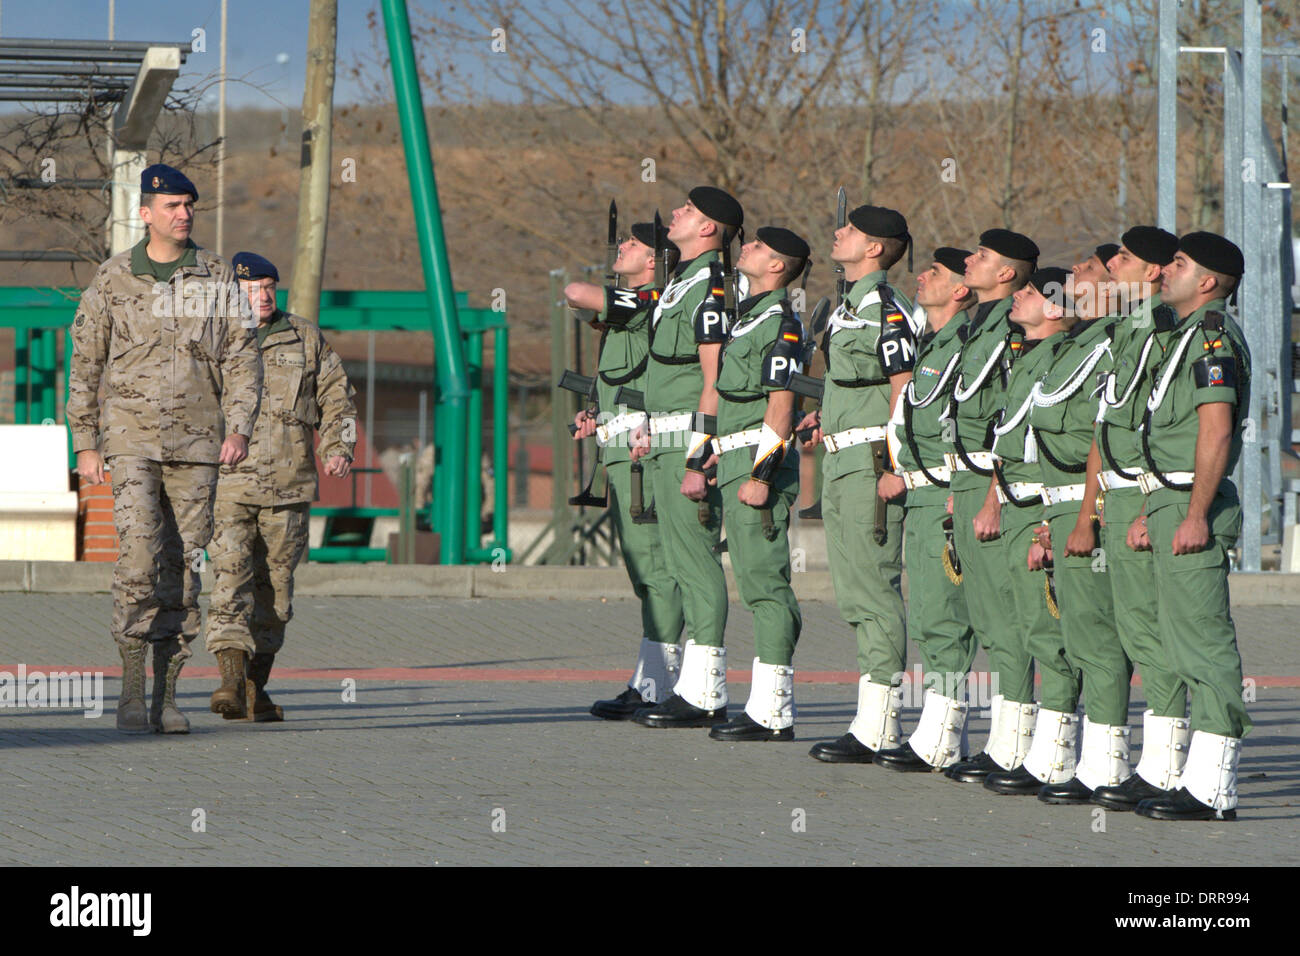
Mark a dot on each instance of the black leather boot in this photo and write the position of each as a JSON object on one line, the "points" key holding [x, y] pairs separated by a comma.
{"points": [[1181, 805], [745, 727], [848, 749], [1018, 782], [621, 707], [973, 770], [903, 759], [1072, 791], [1128, 794], [676, 712]]}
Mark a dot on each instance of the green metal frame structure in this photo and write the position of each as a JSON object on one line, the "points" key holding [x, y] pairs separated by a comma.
{"points": [[39, 317]]}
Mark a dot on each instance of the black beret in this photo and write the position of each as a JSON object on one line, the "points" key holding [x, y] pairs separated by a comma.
{"points": [[1106, 251], [161, 178], [1010, 244], [1213, 252], [784, 241], [879, 222], [644, 233], [1052, 282], [718, 205], [954, 260], [249, 265], [1151, 244]]}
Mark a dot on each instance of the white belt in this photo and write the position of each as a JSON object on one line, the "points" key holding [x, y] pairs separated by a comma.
{"points": [[672, 423], [737, 440], [1110, 480], [618, 425], [1021, 489], [981, 459], [918, 479], [1148, 481], [852, 436], [1057, 494]]}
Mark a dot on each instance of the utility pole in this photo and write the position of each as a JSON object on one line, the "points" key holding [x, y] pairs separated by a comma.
{"points": [[221, 141], [314, 176]]}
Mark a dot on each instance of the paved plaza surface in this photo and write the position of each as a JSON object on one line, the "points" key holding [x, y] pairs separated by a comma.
{"points": [[469, 742]]}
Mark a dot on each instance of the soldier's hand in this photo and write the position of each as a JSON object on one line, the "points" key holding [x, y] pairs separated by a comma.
{"points": [[988, 523], [585, 423], [1138, 539], [233, 450], [890, 486], [1043, 536], [639, 444], [948, 505], [1082, 540], [338, 466], [1036, 555], [812, 420], [753, 493], [694, 486], [1193, 535], [90, 467]]}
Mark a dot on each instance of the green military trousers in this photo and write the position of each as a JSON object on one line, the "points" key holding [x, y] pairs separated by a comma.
{"points": [[1083, 591], [937, 619], [688, 549], [643, 553], [867, 576], [1038, 630], [986, 587], [1133, 591], [1195, 615], [762, 567]]}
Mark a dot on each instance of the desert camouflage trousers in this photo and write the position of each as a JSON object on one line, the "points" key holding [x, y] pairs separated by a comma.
{"points": [[163, 514], [254, 553]]}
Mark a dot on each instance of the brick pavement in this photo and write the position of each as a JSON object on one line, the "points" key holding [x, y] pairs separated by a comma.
{"points": [[417, 771]]}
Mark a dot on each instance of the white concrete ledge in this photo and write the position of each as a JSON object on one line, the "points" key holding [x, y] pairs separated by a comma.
{"points": [[480, 581]]}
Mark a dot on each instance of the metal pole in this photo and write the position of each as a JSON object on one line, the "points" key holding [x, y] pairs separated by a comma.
{"points": [[370, 408], [1167, 119], [221, 140], [450, 358], [474, 443], [501, 439], [1251, 298], [22, 397], [423, 421]]}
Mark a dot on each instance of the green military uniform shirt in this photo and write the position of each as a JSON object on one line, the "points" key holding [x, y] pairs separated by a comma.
{"points": [[1013, 443], [925, 408], [986, 358], [624, 358], [1120, 411]]}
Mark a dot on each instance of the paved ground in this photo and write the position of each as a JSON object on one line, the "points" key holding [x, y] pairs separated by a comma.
{"points": [[450, 755]]}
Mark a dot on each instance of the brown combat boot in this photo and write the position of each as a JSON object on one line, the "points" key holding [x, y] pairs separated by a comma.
{"points": [[228, 699], [261, 709], [169, 657], [132, 715]]}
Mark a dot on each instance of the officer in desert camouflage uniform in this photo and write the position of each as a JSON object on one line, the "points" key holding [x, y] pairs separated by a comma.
{"points": [[160, 329], [263, 503]]}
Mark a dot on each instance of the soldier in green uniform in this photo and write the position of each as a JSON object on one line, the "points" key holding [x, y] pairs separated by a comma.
{"points": [[1195, 394], [937, 617], [870, 349], [687, 330], [262, 504], [997, 269], [623, 316], [1043, 309], [161, 328], [758, 473], [1114, 466]]}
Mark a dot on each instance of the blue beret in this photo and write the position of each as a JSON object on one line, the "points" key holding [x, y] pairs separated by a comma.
{"points": [[161, 178], [249, 265]]}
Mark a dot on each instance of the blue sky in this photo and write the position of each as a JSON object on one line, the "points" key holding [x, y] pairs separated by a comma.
{"points": [[258, 31]]}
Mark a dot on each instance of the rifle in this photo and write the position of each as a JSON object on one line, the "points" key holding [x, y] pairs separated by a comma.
{"points": [[806, 385], [841, 220], [635, 400]]}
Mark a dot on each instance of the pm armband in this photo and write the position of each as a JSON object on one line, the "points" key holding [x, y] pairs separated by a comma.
{"points": [[896, 346], [1215, 371], [698, 450], [622, 306], [768, 457], [711, 316], [784, 359]]}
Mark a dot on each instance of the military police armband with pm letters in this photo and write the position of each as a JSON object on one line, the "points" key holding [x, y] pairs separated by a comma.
{"points": [[785, 357], [896, 345], [622, 306], [711, 316]]}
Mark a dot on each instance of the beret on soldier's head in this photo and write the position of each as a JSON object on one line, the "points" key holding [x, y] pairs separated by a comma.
{"points": [[644, 233], [1106, 251], [249, 265], [954, 260], [1013, 245], [718, 205], [1213, 252], [879, 221], [1052, 282], [163, 179], [784, 241], [1151, 244]]}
